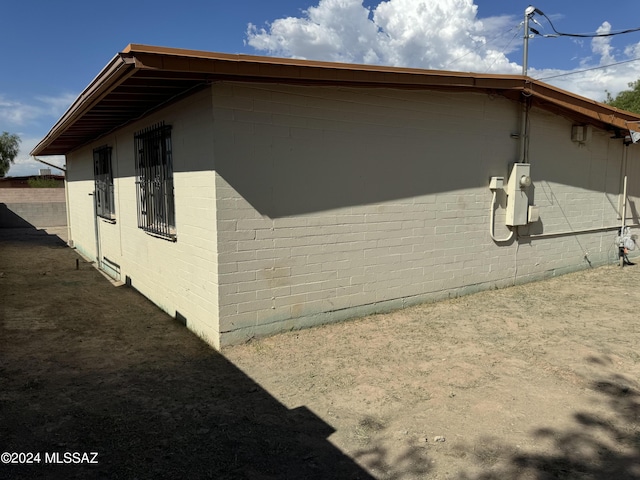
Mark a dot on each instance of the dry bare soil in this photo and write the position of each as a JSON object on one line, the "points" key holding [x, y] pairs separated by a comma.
{"points": [[531, 382]]}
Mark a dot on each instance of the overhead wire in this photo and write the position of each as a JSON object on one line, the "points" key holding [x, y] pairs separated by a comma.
{"points": [[503, 51], [581, 35], [557, 34], [601, 67], [584, 35], [489, 42]]}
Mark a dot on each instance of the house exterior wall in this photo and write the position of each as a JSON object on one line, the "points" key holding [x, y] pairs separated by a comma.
{"points": [[336, 202], [81, 210], [578, 188], [299, 205], [180, 277]]}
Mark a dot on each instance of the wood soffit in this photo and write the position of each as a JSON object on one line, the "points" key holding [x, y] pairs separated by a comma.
{"points": [[143, 78]]}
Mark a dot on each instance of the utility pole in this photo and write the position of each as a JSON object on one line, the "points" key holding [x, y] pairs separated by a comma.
{"points": [[525, 50], [525, 47], [528, 13]]}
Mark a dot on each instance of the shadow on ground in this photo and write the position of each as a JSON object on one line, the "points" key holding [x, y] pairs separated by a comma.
{"points": [[86, 367], [600, 446]]}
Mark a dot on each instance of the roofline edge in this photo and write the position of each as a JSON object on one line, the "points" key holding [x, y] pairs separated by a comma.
{"points": [[108, 78]]}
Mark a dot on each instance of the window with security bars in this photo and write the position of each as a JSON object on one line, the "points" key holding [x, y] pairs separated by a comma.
{"points": [[103, 176], [154, 181]]}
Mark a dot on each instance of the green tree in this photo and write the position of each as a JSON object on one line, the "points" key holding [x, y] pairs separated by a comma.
{"points": [[627, 99], [9, 146]]}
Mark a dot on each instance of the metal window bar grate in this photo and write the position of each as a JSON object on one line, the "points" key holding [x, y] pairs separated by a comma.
{"points": [[154, 181], [103, 175]]}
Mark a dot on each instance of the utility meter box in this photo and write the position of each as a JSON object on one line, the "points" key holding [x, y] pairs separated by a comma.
{"points": [[517, 212]]}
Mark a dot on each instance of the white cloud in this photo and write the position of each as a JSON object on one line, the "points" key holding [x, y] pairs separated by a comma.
{"points": [[435, 34], [428, 34], [27, 120], [16, 113], [590, 79], [30, 166], [337, 30], [601, 46]]}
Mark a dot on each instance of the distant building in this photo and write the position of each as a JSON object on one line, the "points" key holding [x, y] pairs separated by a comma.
{"points": [[23, 182]]}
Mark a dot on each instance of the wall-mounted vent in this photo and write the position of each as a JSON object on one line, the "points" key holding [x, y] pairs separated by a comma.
{"points": [[181, 318], [111, 268], [581, 133]]}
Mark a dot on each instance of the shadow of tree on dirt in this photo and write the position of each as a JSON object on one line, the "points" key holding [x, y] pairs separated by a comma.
{"points": [[86, 367], [598, 447], [412, 463]]}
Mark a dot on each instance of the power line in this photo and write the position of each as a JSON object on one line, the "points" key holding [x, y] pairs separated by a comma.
{"points": [[589, 69], [489, 42], [582, 35], [503, 52], [532, 10]]}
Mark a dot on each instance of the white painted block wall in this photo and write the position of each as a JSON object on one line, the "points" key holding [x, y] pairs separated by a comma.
{"points": [[178, 276]]}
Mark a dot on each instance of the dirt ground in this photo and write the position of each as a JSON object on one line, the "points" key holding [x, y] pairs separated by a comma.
{"points": [[530, 382]]}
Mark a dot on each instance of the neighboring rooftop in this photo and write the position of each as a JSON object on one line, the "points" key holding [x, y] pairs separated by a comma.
{"points": [[143, 78], [23, 181]]}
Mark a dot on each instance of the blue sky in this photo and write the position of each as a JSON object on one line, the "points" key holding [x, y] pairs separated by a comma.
{"points": [[52, 50]]}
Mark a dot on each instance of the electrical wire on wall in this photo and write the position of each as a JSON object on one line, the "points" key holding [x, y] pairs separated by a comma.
{"points": [[492, 221], [515, 263], [525, 127]]}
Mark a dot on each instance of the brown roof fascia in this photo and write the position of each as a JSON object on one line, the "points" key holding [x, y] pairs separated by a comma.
{"points": [[255, 68], [157, 62], [585, 107]]}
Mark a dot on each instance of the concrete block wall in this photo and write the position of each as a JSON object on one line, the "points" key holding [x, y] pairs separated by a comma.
{"points": [[303, 205], [578, 188], [334, 203], [294, 272], [180, 277], [37, 207], [80, 187], [338, 202]]}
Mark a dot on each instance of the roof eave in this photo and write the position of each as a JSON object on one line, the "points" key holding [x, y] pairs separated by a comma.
{"points": [[180, 70], [603, 116], [119, 68]]}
